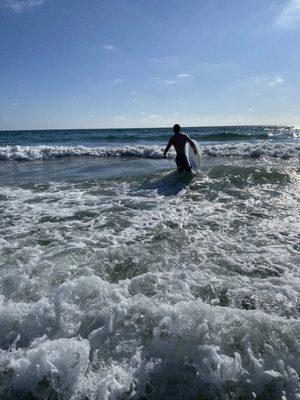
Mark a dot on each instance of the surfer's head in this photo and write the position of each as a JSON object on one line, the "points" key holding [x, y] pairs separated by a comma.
{"points": [[176, 128]]}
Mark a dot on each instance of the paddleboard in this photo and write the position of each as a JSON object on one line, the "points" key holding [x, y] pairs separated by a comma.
{"points": [[194, 158]]}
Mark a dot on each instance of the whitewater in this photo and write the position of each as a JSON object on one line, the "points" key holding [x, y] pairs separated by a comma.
{"points": [[120, 279]]}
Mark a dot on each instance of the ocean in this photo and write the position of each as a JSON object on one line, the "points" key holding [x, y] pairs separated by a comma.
{"points": [[122, 279]]}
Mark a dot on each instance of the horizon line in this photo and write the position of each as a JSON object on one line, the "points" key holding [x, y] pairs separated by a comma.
{"points": [[158, 127]]}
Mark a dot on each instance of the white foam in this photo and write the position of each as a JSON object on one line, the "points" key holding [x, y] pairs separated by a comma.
{"points": [[49, 367], [111, 290], [47, 152], [139, 344], [284, 150]]}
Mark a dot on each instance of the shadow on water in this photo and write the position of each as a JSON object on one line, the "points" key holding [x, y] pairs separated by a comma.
{"points": [[169, 184]]}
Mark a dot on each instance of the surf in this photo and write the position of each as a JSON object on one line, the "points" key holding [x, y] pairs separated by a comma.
{"points": [[284, 150]]}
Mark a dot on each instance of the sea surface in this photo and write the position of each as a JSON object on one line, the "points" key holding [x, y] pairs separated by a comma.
{"points": [[123, 279]]}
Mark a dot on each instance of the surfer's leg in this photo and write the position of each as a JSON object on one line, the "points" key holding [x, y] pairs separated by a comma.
{"points": [[185, 164], [180, 163]]}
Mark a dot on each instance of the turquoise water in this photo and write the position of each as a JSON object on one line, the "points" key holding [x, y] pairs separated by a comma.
{"points": [[121, 279]]}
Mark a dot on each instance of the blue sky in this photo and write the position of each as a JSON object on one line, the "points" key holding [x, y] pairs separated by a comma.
{"points": [[148, 63]]}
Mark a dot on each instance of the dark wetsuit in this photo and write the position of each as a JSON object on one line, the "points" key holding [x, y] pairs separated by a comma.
{"points": [[178, 140]]}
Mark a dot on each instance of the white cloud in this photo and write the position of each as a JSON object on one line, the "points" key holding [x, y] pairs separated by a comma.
{"points": [[160, 59], [154, 116], [211, 65], [120, 117], [255, 80], [260, 81], [290, 15], [156, 78], [171, 61], [118, 80], [170, 82], [134, 96], [109, 47], [183, 75], [216, 65], [236, 116], [276, 82], [20, 5]]}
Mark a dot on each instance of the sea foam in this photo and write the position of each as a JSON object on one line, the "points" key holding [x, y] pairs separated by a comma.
{"points": [[111, 290], [284, 150]]}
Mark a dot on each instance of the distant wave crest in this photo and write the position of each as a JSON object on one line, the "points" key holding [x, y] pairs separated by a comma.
{"points": [[255, 150]]}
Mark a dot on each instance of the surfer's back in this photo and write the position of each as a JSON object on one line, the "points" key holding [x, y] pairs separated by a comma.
{"points": [[178, 140]]}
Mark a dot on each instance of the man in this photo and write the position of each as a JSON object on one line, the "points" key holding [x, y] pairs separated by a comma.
{"points": [[178, 140]]}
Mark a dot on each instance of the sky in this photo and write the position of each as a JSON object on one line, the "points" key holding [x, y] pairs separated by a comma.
{"points": [[148, 63]]}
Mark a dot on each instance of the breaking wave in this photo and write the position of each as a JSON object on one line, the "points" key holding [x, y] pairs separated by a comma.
{"points": [[284, 150]]}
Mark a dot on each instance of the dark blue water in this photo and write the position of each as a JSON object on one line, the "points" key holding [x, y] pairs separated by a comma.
{"points": [[94, 137]]}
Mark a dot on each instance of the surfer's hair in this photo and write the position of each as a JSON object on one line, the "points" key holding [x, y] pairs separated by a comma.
{"points": [[176, 128]]}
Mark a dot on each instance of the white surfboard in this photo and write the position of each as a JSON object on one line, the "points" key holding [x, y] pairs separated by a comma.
{"points": [[194, 158]]}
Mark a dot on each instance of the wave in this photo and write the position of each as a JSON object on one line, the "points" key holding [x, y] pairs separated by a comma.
{"points": [[285, 150], [23, 153], [161, 136]]}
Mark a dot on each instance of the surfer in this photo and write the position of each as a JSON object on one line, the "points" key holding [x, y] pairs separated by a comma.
{"points": [[178, 140]]}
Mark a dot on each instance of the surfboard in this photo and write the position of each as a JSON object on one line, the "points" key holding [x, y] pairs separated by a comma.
{"points": [[194, 158]]}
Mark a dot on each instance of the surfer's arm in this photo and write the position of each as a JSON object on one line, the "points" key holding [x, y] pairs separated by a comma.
{"points": [[167, 148]]}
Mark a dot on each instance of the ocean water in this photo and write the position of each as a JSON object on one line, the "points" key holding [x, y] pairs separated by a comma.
{"points": [[122, 279]]}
